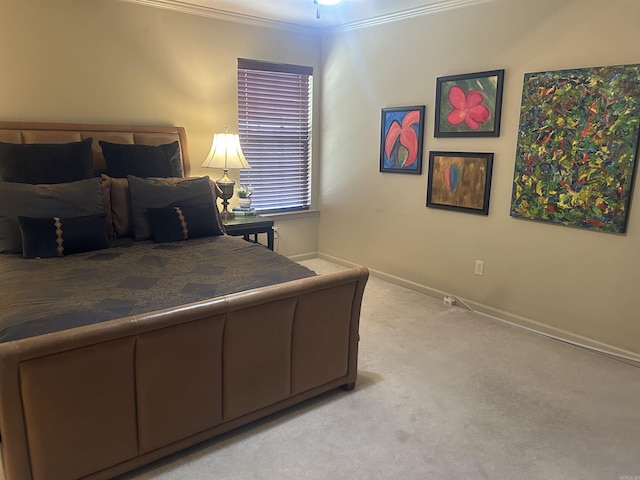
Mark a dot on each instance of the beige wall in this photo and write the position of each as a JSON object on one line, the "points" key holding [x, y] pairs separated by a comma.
{"points": [[570, 282], [107, 61]]}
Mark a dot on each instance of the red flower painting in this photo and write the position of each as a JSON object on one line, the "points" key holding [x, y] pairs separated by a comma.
{"points": [[468, 108], [469, 105]]}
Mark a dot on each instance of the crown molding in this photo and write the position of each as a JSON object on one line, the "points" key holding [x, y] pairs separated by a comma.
{"points": [[438, 7], [201, 11], [209, 12]]}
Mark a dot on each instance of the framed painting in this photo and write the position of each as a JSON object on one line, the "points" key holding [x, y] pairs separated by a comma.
{"points": [[401, 139], [469, 105], [577, 147], [460, 181]]}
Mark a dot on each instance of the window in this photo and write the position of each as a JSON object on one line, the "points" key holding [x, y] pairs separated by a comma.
{"points": [[274, 123]]}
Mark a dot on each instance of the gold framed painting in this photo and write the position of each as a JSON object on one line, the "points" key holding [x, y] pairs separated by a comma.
{"points": [[460, 181]]}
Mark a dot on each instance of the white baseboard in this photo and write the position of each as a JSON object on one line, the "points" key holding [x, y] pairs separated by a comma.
{"points": [[304, 256], [590, 344]]}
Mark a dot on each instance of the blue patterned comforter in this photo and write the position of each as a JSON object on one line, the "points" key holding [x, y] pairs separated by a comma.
{"points": [[46, 295]]}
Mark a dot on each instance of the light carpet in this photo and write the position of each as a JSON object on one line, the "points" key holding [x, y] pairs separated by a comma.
{"points": [[442, 393]]}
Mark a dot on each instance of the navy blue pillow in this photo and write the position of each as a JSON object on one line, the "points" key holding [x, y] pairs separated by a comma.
{"points": [[142, 161], [46, 163], [56, 237], [171, 224]]}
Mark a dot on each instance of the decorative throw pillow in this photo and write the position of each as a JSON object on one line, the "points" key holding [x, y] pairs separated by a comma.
{"points": [[64, 200], [41, 163], [119, 206], [159, 192], [171, 224], [142, 160], [56, 237]]}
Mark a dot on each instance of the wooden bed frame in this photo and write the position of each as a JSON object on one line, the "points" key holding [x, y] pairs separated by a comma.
{"points": [[100, 400]]}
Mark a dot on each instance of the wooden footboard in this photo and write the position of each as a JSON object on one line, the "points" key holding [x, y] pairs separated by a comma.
{"points": [[97, 401]]}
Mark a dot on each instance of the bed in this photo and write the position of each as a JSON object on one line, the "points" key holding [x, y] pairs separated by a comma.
{"points": [[114, 354]]}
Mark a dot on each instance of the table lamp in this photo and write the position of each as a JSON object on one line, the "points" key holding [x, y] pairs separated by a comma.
{"points": [[226, 153]]}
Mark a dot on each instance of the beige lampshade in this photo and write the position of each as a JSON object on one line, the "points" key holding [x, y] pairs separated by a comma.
{"points": [[226, 153]]}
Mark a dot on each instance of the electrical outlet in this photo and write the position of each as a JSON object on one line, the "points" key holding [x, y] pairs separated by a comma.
{"points": [[479, 270]]}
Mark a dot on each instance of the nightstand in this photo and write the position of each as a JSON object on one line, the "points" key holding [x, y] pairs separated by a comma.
{"points": [[250, 225]]}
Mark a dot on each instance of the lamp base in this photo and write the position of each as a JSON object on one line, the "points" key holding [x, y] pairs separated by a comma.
{"points": [[225, 185]]}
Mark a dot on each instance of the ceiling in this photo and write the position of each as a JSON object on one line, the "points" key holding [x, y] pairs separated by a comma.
{"points": [[302, 13]]}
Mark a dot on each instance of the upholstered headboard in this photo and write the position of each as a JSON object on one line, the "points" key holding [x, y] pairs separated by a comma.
{"points": [[41, 132]]}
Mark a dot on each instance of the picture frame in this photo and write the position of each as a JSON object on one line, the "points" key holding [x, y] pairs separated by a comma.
{"points": [[460, 181], [469, 105], [401, 139], [577, 152]]}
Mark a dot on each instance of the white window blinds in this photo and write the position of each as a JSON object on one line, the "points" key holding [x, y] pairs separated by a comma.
{"points": [[274, 124]]}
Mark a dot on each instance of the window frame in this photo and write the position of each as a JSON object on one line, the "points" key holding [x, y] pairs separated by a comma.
{"points": [[275, 125]]}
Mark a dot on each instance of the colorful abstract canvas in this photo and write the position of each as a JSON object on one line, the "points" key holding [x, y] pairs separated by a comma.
{"points": [[577, 147]]}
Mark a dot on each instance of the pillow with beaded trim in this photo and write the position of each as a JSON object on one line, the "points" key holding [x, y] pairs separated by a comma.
{"points": [[57, 237], [171, 224]]}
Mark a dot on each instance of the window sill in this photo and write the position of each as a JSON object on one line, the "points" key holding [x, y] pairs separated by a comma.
{"points": [[291, 215]]}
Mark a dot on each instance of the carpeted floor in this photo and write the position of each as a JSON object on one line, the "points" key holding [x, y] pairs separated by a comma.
{"points": [[442, 393]]}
